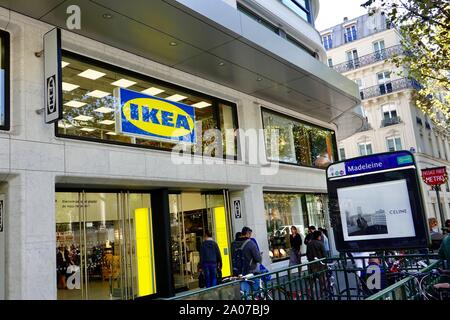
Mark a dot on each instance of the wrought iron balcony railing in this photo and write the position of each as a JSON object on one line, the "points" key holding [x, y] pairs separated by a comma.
{"points": [[389, 87], [368, 59], [390, 121]]}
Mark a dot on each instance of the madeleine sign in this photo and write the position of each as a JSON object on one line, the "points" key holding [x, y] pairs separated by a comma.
{"points": [[435, 176]]}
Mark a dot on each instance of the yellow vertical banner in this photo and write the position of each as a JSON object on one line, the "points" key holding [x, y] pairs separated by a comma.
{"points": [[144, 252], [222, 239]]}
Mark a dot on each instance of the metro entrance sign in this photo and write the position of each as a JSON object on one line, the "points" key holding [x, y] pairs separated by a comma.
{"points": [[434, 176]]}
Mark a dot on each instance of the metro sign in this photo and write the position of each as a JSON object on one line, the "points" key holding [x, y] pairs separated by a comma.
{"points": [[435, 176]]}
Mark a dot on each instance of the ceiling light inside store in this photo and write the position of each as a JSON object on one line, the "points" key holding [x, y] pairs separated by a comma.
{"points": [[152, 91], [74, 104], [176, 97], [111, 133], [83, 118], [104, 110], [123, 83], [64, 64], [69, 87], [87, 129], [98, 94], [64, 125], [201, 104], [107, 122], [91, 74]]}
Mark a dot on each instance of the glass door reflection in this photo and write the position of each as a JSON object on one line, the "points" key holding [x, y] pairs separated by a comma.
{"points": [[97, 241]]}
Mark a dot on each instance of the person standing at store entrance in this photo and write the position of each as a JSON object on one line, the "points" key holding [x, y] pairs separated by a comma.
{"points": [[210, 260]]}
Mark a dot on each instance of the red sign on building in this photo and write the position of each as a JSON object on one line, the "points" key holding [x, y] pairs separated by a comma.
{"points": [[435, 176]]}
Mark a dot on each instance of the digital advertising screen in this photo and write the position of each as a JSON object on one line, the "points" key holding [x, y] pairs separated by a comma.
{"points": [[375, 203]]}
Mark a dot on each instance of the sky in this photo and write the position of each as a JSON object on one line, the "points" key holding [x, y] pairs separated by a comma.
{"points": [[332, 12]]}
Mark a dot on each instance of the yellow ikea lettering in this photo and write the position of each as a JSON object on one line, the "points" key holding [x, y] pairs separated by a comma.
{"points": [[158, 117]]}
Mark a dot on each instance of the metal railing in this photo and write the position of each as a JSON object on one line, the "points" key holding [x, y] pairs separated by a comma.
{"points": [[389, 87], [390, 121], [312, 280], [407, 288], [368, 59]]}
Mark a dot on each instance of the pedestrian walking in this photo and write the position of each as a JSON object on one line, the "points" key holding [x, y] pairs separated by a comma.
{"points": [[210, 260], [296, 243]]}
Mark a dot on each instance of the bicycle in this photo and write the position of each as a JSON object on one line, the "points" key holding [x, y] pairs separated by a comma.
{"points": [[439, 291], [252, 289], [360, 291]]}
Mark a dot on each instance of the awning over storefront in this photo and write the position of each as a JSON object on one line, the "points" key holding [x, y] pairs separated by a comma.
{"points": [[215, 41]]}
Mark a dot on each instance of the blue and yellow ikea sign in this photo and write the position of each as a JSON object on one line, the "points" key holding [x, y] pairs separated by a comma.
{"points": [[150, 117]]}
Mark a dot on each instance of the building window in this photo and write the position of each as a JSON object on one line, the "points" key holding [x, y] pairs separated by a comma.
{"points": [[327, 41], [390, 116], [384, 82], [292, 141], [88, 105], [352, 59], [300, 7], [378, 49], [365, 148], [350, 33], [342, 153], [330, 62], [257, 18], [297, 43], [394, 144], [4, 80], [283, 210], [419, 121], [360, 87]]}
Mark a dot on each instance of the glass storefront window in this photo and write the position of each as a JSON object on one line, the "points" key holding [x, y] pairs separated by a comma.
{"points": [[4, 80], [298, 143], [89, 110], [284, 210], [104, 246]]}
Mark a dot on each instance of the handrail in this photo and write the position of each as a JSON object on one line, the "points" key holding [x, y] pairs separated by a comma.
{"points": [[303, 281], [388, 87], [231, 283], [368, 59], [399, 284]]}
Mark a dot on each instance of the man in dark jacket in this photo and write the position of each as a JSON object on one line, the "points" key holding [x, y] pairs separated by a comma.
{"points": [[316, 250], [249, 257], [210, 259], [308, 237]]}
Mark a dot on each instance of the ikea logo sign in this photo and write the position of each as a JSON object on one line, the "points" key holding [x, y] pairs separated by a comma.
{"points": [[154, 118]]}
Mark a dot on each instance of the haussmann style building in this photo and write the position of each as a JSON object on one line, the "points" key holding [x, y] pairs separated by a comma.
{"points": [[96, 205], [361, 49]]}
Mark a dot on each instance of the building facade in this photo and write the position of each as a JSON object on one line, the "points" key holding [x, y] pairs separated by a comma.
{"points": [[360, 49], [89, 211]]}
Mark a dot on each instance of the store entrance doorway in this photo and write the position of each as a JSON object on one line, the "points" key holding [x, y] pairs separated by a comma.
{"points": [[191, 215], [104, 245]]}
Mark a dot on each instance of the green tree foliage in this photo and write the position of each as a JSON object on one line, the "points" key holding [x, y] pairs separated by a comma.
{"points": [[425, 27]]}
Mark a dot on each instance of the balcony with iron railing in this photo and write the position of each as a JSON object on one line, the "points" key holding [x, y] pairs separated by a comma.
{"points": [[389, 87], [368, 59], [390, 121]]}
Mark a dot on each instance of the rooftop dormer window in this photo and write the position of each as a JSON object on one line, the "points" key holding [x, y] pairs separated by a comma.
{"points": [[327, 41], [350, 33]]}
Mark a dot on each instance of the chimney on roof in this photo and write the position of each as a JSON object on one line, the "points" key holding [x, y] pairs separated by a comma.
{"points": [[345, 19]]}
